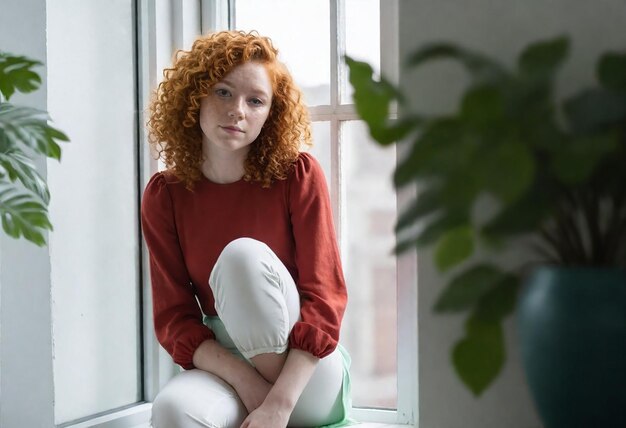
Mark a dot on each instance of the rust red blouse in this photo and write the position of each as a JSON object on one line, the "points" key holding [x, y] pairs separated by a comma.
{"points": [[186, 231]]}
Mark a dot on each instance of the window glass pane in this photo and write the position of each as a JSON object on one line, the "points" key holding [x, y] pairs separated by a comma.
{"points": [[369, 329], [300, 29], [94, 247], [321, 146], [362, 32]]}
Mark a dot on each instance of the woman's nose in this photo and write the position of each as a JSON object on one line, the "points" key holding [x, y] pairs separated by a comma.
{"points": [[236, 109]]}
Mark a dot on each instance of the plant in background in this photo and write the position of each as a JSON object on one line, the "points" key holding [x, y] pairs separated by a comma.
{"points": [[24, 194], [549, 170]]}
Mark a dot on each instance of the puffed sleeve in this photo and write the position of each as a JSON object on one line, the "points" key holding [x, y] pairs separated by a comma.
{"points": [[177, 316], [321, 282]]}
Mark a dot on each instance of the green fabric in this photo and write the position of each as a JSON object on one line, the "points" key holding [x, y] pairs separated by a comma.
{"points": [[346, 392]]}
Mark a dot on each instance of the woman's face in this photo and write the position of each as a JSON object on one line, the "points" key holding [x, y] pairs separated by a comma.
{"points": [[234, 111]]}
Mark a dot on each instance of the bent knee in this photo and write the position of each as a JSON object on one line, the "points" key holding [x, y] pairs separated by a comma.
{"points": [[195, 399], [168, 411], [240, 250]]}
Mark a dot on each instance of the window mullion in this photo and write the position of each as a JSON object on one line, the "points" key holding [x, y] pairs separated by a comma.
{"points": [[185, 23], [337, 43], [215, 15], [407, 263]]}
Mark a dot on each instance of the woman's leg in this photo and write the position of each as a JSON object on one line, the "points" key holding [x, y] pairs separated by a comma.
{"points": [[256, 299], [258, 303], [194, 399]]}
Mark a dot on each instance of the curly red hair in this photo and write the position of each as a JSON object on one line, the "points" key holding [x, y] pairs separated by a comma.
{"points": [[173, 126]]}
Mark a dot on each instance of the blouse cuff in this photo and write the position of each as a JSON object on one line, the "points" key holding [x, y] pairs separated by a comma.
{"points": [[186, 346], [311, 339]]}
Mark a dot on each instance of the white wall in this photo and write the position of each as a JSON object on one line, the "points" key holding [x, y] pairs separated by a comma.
{"points": [[25, 340], [500, 28]]}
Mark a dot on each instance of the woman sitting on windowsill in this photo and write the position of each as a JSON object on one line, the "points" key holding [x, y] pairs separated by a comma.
{"points": [[241, 223]]}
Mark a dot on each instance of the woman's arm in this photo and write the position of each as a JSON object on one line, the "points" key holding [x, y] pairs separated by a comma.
{"points": [[283, 396], [177, 316], [250, 386]]}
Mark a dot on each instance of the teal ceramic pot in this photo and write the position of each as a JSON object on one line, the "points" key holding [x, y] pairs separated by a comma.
{"points": [[572, 324]]}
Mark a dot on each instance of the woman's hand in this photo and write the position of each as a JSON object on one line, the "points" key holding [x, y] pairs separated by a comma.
{"points": [[283, 395], [267, 416]]}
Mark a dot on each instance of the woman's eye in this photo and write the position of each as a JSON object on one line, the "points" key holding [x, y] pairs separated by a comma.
{"points": [[222, 92], [256, 102]]}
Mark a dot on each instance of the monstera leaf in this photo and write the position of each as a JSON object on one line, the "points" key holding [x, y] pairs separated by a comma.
{"points": [[24, 194]]}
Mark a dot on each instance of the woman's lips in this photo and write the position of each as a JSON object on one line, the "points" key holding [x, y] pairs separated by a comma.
{"points": [[231, 128]]}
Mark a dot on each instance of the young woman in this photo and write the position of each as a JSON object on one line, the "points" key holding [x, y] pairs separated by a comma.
{"points": [[247, 283]]}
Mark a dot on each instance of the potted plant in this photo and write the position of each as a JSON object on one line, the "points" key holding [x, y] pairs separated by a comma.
{"points": [[24, 194], [516, 169]]}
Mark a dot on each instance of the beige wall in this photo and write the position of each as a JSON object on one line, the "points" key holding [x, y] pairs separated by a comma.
{"points": [[500, 28]]}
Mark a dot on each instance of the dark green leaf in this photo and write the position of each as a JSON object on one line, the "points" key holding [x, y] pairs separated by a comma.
{"points": [[540, 128], [371, 97], [16, 74], [578, 158], [436, 228], [468, 287], [432, 231], [594, 109], [460, 188], [19, 167], [23, 214], [427, 202], [481, 68], [540, 60], [454, 247], [57, 134], [405, 245], [27, 126], [394, 131], [482, 106], [478, 357], [612, 71], [525, 214], [506, 170], [440, 148], [499, 301]]}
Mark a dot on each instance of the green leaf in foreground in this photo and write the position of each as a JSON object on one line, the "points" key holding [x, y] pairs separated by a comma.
{"points": [[542, 59], [23, 215], [575, 162], [18, 166], [594, 109], [612, 70], [16, 74], [507, 171], [371, 97], [498, 302], [453, 247], [427, 202], [468, 287], [29, 127], [479, 356]]}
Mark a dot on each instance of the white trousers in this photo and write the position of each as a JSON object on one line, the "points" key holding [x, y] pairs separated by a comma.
{"points": [[257, 303]]}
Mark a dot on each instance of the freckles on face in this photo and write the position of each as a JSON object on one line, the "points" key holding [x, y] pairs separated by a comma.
{"points": [[236, 108]]}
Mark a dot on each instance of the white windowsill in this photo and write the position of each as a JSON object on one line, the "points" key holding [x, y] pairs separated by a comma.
{"points": [[361, 425]]}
